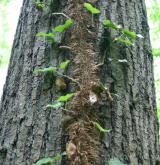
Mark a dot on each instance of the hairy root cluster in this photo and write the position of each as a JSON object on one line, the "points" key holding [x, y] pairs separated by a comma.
{"points": [[83, 145]]}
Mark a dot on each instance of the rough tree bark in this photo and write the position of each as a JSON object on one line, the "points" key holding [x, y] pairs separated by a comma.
{"points": [[29, 131]]}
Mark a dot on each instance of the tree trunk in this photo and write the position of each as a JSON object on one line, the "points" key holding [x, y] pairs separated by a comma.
{"points": [[29, 131]]}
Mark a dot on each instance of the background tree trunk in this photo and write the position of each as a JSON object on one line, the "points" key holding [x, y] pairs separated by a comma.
{"points": [[29, 131]]}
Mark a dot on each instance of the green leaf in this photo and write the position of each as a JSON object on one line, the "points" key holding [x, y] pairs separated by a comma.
{"points": [[98, 126], [42, 34], [110, 24], [63, 27], [64, 65], [49, 160], [66, 97], [68, 23], [55, 104], [50, 69], [125, 41], [44, 161], [57, 157], [130, 34], [40, 5], [103, 88], [115, 161], [91, 9]]}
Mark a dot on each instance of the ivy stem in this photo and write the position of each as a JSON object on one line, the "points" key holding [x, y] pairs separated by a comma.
{"points": [[92, 20], [63, 109], [70, 78], [65, 47], [61, 14]]}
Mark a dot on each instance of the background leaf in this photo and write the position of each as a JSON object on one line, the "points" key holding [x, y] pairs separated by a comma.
{"points": [[156, 52], [92, 9]]}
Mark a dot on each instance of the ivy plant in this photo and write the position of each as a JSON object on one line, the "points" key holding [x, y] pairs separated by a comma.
{"points": [[59, 102], [50, 69], [91, 9], [110, 24], [49, 160], [64, 64], [61, 28], [66, 97], [115, 161], [127, 37], [39, 5], [100, 128], [48, 36]]}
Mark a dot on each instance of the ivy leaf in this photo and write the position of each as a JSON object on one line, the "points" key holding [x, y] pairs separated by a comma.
{"points": [[66, 97], [57, 157], [40, 5], [110, 24], [130, 34], [115, 161], [49, 160], [125, 41], [102, 87], [50, 69], [42, 34], [50, 39], [44, 161], [91, 9], [56, 104], [63, 27], [98, 126], [68, 23], [64, 65]]}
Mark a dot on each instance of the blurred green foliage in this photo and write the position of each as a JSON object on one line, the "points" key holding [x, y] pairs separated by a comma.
{"points": [[4, 45], [4, 1], [153, 11]]}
